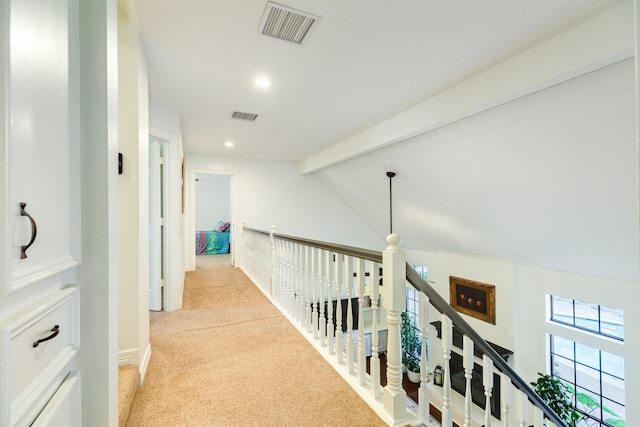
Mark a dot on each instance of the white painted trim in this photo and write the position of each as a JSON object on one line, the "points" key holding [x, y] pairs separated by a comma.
{"points": [[172, 299], [128, 357], [153, 224], [594, 44], [144, 364], [190, 202], [43, 271], [99, 203]]}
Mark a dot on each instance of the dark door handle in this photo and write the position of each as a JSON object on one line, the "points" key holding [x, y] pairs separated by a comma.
{"points": [[34, 231], [55, 330]]}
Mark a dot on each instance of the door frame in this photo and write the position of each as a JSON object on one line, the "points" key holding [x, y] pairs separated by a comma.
{"points": [[190, 247], [171, 236]]}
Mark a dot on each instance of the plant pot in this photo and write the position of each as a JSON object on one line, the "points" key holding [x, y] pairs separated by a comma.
{"points": [[414, 377]]}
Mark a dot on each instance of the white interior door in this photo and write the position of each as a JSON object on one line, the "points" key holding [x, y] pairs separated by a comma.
{"points": [[155, 225]]}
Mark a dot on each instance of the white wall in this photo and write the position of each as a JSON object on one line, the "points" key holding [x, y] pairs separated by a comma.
{"points": [[98, 275], [164, 119], [213, 201], [133, 195], [270, 193], [144, 347]]}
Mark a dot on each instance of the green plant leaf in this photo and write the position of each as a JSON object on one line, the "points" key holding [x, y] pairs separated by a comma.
{"points": [[559, 397]]}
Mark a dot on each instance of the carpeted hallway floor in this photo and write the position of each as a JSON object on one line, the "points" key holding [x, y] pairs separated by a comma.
{"points": [[229, 358]]}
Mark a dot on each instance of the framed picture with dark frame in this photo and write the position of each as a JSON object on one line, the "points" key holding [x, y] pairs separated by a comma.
{"points": [[475, 299]]}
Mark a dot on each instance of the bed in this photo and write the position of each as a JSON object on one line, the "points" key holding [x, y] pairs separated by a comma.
{"points": [[212, 242]]}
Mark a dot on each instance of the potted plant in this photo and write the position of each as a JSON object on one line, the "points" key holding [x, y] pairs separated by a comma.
{"points": [[411, 347], [559, 397]]}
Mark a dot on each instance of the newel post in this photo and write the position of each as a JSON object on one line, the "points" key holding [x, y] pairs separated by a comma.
{"points": [[394, 301]]}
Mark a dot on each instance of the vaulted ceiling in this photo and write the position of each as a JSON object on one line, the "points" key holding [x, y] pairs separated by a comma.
{"points": [[548, 179], [363, 62]]}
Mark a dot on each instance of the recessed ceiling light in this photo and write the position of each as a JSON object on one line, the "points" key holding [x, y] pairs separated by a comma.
{"points": [[228, 144], [262, 82]]}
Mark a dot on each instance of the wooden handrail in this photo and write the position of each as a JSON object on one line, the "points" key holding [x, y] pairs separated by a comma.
{"points": [[375, 256], [443, 307]]}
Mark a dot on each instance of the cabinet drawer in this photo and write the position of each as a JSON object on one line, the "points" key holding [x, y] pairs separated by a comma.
{"points": [[63, 410], [34, 367]]}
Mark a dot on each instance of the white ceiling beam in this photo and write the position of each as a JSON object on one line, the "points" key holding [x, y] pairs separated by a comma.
{"points": [[591, 45]]}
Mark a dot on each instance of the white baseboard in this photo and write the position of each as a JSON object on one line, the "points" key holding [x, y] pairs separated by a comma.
{"points": [[128, 357], [145, 363]]}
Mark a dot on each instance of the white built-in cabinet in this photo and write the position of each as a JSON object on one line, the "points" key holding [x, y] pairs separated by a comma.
{"points": [[39, 214]]}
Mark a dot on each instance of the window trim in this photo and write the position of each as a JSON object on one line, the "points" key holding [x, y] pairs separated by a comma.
{"points": [[579, 327]]}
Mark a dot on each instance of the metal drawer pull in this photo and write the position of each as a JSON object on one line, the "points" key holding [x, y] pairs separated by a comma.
{"points": [[55, 330], [34, 231]]}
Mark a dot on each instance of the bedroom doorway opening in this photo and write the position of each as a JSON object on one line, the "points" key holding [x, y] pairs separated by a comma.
{"points": [[213, 214]]}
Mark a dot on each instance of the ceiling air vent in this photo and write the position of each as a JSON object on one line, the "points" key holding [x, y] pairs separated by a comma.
{"points": [[284, 23], [249, 117]]}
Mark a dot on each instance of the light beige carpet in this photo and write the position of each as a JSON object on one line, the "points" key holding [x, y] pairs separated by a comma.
{"points": [[127, 387], [229, 358]]}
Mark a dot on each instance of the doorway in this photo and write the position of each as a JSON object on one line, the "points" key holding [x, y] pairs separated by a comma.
{"points": [[213, 214]]}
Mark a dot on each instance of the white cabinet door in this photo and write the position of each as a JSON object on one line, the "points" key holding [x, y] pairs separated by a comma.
{"points": [[41, 140], [63, 408], [39, 167]]}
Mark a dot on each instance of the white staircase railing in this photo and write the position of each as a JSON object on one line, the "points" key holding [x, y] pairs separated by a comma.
{"points": [[333, 295]]}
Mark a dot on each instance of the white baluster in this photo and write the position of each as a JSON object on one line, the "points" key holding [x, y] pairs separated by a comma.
{"points": [[505, 398], [280, 261], [307, 304], [487, 382], [467, 361], [302, 287], [259, 267], [295, 280], [524, 408], [289, 278], [270, 261], [348, 282], [374, 362], [423, 392], [279, 283], [447, 338], [314, 285], [330, 326], [297, 271], [322, 264], [537, 416], [361, 363], [339, 268], [291, 247], [286, 278]]}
